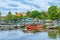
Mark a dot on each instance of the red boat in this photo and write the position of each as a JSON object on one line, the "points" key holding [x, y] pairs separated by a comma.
{"points": [[34, 27]]}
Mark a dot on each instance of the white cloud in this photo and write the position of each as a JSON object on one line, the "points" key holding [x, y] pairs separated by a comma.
{"points": [[24, 5]]}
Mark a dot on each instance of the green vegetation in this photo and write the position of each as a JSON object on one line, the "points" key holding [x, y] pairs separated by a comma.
{"points": [[52, 34], [22, 26], [44, 26], [35, 31], [52, 14], [9, 16], [58, 28]]}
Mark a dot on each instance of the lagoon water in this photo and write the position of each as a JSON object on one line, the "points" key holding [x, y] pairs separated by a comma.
{"points": [[19, 35]]}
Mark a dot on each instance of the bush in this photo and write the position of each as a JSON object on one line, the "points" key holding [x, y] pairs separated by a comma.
{"points": [[58, 27], [22, 26], [35, 31], [44, 27]]}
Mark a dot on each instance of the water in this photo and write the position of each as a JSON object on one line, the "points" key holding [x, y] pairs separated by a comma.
{"points": [[19, 35]]}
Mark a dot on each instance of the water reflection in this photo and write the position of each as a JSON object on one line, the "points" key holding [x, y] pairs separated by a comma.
{"points": [[19, 35], [55, 34], [52, 34]]}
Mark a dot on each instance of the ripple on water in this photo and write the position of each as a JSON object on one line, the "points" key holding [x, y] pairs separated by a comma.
{"points": [[19, 35]]}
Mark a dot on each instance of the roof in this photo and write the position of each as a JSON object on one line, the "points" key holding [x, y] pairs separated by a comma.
{"points": [[18, 14]]}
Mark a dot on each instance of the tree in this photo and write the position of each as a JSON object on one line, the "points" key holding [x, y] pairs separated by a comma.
{"points": [[57, 15], [21, 16], [52, 11], [9, 16], [52, 14], [35, 14], [28, 14], [43, 15]]}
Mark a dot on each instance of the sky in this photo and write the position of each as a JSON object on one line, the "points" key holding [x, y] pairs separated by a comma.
{"points": [[25, 5]]}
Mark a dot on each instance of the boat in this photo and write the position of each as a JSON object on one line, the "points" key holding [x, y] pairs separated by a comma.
{"points": [[31, 27]]}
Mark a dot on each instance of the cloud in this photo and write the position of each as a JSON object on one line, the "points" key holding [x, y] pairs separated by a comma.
{"points": [[27, 3], [24, 5], [54, 2], [13, 5]]}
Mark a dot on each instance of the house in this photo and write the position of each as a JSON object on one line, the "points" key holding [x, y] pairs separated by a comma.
{"points": [[19, 14], [31, 27]]}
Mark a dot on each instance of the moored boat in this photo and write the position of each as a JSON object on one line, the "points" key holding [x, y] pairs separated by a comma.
{"points": [[31, 27]]}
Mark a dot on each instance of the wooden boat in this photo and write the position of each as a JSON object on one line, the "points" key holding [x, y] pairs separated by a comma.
{"points": [[31, 27]]}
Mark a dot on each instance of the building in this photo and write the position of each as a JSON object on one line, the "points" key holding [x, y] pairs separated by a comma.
{"points": [[19, 14]]}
